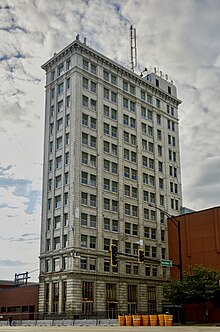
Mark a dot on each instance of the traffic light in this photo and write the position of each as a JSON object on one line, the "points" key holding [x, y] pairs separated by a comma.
{"points": [[140, 256], [113, 251]]}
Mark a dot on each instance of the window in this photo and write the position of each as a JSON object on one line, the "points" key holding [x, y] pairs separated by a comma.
{"points": [[134, 211], [59, 162], [113, 79], [84, 178], [60, 106], [83, 263], [106, 224], [84, 198], [149, 99], [61, 69], [93, 69], [68, 83], [93, 87], [59, 124], [125, 103], [105, 75], [160, 183], [153, 234], [114, 206], [158, 119], [133, 139], [93, 141], [85, 83], [114, 187], [114, 131], [56, 264], [92, 264], [125, 120], [113, 97], [58, 182], [126, 154], [125, 86], [106, 244], [158, 103], [132, 106], [132, 123], [84, 219], [66, 198], [106, 147], [128, 247], [106, 93], [67, 156], [143, 95], [132, 89], [92, 244], [159, 135], [92, 180], [106, 111], [59, 143], [114, 149], [127, 209], [147, 232], [60, 88], [57, 202], [106, 204], [57, 222], [114, 168], [128, 268], [106, 129], [93, 200], [83, 241], [114, 225], [135, 229], [93, 221], [106, 266], [85, 64], [85, 101], [106, 184], [93, 104], [56, 243]]}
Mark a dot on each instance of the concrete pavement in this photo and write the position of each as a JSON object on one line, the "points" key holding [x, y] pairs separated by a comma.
{"points": [[186, 328]]}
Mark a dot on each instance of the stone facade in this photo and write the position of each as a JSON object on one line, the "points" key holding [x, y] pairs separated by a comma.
{"points": [[111, 167]]}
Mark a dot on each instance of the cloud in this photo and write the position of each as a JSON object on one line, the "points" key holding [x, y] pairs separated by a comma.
{"points": [[7, 262]]}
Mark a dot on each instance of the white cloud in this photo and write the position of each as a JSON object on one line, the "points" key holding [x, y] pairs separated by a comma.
{"points": [[178, 37]]}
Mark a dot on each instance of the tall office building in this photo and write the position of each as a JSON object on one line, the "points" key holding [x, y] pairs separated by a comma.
{"points": [[111, 167]]}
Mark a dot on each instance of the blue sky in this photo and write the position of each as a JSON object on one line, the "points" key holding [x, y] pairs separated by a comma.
{"points": [[181, 38]]}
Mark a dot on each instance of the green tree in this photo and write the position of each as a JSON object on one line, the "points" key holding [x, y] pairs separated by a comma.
{"points": [[200, 285]]}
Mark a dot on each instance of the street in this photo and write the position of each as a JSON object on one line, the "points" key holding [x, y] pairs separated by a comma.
{"points": [[108, 329]]}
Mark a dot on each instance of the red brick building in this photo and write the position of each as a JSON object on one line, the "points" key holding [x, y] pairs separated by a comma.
{"points": [[200, 244], [20, 302]]}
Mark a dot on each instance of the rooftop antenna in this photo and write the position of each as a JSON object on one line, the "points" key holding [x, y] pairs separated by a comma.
{"points": [[133, 48]]}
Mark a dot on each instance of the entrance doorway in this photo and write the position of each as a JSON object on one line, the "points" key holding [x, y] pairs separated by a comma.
{"points": [[112, 310]]}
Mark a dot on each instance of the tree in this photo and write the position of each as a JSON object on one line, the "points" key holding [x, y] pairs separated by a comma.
{"points": [[200, 285]]}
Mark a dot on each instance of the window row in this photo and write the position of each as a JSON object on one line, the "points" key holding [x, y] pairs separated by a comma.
{"points": [[130, 138], [148, 162], [59, 143], [88, 263], [89, 140], [89, 159], [55, 244], [130, 191], [58, 201], [60, 88], [146, 129], [110, 148], [59, 124], [88, 241], [129, 121], [109, 77], [57, 222], [58, 182], [128, 87], [60, 106], [147, 114], [110, 95], [130, 173], [89, 179], [131, 229], [88, 199], [172, 155], [148, 146], [170, 125], [110, 166], [89, 85], [56, 264], [60, 69], [130, 155], [171, 140], [110, 130], [110, 205], [88, 220], [89, 66], [129, 105], [88, 121], [89, 103], [110, 112], [109, 185], [59, 162]]}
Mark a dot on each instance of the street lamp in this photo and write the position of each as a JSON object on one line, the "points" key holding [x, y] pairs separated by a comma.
{"points": [[176, 222]]}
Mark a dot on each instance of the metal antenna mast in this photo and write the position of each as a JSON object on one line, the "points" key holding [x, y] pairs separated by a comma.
{"points": [[133, 48]]}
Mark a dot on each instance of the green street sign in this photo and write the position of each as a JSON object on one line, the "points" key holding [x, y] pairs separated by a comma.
{"points": [[166, 262]]}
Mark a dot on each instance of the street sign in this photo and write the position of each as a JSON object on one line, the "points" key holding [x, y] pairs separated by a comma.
{"points": [[166, 262]]}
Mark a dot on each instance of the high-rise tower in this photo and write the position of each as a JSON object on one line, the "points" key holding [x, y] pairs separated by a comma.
{"points": [[111, 159]]}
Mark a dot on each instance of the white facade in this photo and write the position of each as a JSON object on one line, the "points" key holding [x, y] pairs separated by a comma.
{"points": [[111, 156]]}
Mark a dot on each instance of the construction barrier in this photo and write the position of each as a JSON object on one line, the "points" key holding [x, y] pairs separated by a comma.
{"points": [[128, 320], [161, 320], [121, 320], [168, 319], [153, 320], [136, 320], [145, 320]]}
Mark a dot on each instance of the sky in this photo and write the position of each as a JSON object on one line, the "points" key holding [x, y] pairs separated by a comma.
{"points": [[179, 37]]}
